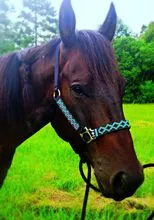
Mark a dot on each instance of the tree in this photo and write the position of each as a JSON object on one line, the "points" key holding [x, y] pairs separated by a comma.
{"points": [[147, 60], [37, 22], [122, 30], [6, 41], [127, 53], [147, 92], [23, 34], [136, 62], [148, 33], [4, 9], [143, 29]]}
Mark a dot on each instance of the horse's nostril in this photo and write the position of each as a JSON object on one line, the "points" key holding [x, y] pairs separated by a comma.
{"points": [[119, 182], [125, 184]]}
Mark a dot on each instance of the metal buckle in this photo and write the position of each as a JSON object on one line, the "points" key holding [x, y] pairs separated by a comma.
{"points": [[88, 135]]}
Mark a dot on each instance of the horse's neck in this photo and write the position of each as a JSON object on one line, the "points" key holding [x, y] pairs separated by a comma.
{"points": [[18, 132], [37, 117]]}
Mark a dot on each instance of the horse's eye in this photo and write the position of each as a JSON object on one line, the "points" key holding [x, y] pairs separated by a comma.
{"points": [[77, 89]]}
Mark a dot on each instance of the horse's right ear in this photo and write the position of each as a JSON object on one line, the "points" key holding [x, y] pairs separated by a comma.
{"points": [[108, 28], [67, 23]]}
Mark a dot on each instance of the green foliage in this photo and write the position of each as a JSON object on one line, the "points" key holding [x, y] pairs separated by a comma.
{"points": [[136, 62], [23, 34], [147, 92], [6, 46], [36, 23], [127, 51], [148, 32], [146, 55], [122, 29], [6, 33]]}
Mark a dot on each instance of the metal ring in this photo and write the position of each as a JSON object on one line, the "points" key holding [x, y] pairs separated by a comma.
{"points": [[56, 94]]}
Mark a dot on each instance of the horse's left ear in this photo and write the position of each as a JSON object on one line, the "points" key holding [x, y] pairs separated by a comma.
{"points": [[67, 23], [109, 26]]}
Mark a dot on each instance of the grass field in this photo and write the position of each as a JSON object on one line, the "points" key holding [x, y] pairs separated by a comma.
{"points": [[44, 182]]}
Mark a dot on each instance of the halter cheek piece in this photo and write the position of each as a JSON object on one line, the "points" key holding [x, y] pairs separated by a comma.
{"points": [[87, 134]]}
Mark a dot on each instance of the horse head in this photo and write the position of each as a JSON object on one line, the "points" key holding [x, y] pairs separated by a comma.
{"points": [[91, 88]]}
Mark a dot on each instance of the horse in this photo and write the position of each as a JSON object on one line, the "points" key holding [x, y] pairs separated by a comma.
{"points": [[72, 82]]}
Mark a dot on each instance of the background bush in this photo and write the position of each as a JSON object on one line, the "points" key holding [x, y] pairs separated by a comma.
{"points": [[135, 58]]}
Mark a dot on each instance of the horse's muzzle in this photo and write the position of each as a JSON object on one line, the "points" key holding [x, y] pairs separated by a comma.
{"points": [[125, 184], [121, 184]]}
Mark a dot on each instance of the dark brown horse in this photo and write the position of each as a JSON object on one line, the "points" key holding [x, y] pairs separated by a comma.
{"points": [[92, 89]]}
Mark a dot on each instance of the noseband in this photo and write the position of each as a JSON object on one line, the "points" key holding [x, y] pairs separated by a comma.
{"points": [[87, 134]]}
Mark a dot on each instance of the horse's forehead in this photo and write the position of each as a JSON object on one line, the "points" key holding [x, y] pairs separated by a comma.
{"points": [[76, 66], [81, 68], [76, 57]]}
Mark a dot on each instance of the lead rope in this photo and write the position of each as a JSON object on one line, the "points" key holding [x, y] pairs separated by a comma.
{"points": [[89, 185], [88, 179]]}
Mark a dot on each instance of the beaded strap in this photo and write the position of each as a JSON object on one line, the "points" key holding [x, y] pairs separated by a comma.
{"points": [[67, 114], [115, 126], [88, 134]]}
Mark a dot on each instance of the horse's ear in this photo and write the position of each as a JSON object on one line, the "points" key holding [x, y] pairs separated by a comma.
{"points": [[67, 23], [109, 26]]}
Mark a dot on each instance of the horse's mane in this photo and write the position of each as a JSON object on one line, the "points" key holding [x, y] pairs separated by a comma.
{"points": [[31, 55], [9, 70], [98, 53]]}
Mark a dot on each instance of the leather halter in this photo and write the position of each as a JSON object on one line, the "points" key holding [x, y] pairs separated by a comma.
{"points": [[87, 134]]}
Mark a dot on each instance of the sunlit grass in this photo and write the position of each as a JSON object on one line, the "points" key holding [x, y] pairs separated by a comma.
{"points": [[44, 180]]}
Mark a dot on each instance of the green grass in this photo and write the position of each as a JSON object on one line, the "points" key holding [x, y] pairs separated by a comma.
{"points": [[44, 182]]}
